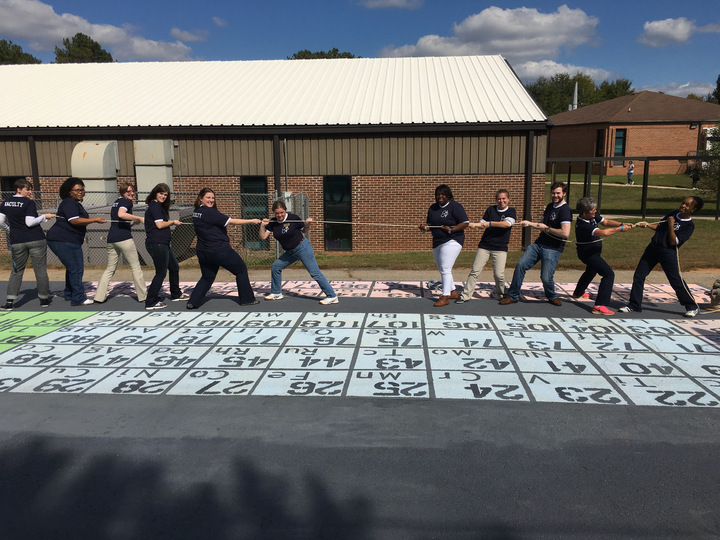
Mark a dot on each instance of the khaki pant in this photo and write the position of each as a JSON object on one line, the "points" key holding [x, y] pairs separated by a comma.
{"points": [[127, 249], [481, 257]]}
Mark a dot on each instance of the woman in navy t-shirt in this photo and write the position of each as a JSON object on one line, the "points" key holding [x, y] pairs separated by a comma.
{"points": [[288, 230], [214, 250], [65, 238], [120, 242], [157, 242], [447, 221]]}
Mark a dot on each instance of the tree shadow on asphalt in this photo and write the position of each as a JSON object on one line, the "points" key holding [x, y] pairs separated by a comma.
{"points": [[50, 493]]}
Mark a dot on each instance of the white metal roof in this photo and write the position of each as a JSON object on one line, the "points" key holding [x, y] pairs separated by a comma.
{"points": [[359, 91]]}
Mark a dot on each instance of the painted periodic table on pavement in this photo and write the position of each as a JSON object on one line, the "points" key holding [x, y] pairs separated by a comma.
{"points": [[608, 361]]}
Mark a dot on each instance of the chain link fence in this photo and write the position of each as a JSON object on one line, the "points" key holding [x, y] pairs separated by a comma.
{"points": [[245, 239]]}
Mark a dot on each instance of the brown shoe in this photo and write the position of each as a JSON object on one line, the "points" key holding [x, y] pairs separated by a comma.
{"points": [[507, 300], [443, 301], [453, 295], [555, 301]]}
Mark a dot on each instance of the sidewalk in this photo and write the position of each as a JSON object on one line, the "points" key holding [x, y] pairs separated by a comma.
{"points": [[297, 272]]}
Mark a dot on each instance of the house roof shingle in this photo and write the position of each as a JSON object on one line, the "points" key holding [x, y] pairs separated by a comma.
{"points": [[642, 107]]}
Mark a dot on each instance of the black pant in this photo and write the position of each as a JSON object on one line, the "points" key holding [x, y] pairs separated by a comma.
{"points": [[210, 263], [164, 261], [595, 265], [667, 258]]}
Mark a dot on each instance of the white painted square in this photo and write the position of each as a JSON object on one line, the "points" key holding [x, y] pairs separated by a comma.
{"points": [[394, 384], [314, 358], [579, 389], [238, 357], [491, 386], [390, 359], [666, 391], [301, 383], [476, 360], [216, 382]]}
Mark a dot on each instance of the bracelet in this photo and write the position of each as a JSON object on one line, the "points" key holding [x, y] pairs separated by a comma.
{"points": [[490, 224], [622, 227]]}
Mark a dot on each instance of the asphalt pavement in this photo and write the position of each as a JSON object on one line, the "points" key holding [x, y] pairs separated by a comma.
{"points": [[85, 465]]}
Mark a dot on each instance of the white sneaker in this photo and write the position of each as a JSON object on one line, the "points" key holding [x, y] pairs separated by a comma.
{"points": [[626, 309], [691, 312], [87, 302], [183, 296], [274, 296], [157, 305], [329, 300]]}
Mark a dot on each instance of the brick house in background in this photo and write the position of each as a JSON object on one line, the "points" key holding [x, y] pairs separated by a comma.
{"points": [[367, 139], [641, 124]]}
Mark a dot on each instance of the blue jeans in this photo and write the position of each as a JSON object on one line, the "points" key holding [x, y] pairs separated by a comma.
{"points": [[305, 254], [548, 260], [666, 257], [71, 256], [164, 261], [210, 263], [37, 251]]}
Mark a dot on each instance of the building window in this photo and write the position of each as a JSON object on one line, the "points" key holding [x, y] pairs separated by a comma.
{"points": [[337, 208], [620, 141], [253, 199], [600, 143]]}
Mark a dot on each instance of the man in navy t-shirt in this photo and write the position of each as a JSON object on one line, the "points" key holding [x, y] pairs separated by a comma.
{"points": [[18, 214], [555, 230], [497, 221]]}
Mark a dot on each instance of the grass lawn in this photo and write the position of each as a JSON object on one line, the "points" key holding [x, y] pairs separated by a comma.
{"points": [[665, 191]]}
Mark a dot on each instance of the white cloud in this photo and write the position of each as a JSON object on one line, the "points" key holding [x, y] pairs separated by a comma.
{"points": [[682, 90], [184, 35], [672, 31], [220, 23], [531, 71], [520, 35], [403, 4], [37, 23]]}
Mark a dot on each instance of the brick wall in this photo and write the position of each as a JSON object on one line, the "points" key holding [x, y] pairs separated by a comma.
{"points": [[641, 140]]}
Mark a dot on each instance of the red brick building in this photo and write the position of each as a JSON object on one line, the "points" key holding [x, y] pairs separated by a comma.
{"points": [[642, 124]]}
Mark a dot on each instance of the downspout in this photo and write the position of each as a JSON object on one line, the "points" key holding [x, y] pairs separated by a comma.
{"points": [[276, 165], [34, 163], [527, 211]]}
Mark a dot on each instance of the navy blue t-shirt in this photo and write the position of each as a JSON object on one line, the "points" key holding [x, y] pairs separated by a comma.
{"points": [[120, 228], [497, 238], [153, 235], [15, 210], [683, 230], [288, 232], [451, 214], [62, 230], [211, 229], [554, 217], [587, 243]]}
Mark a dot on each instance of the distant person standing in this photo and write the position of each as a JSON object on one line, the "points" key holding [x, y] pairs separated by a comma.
{"points": [[27, 239], [497, 221], [631, 170]]}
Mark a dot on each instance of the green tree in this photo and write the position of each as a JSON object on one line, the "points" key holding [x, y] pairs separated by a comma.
{"points": [[611, 90], [11, 53], [555, 94], [332, 53], [81, 49], [714, 96], [695, 97]]}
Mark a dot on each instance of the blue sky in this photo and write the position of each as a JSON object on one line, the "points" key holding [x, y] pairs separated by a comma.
{"points": [[662, 45]]}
